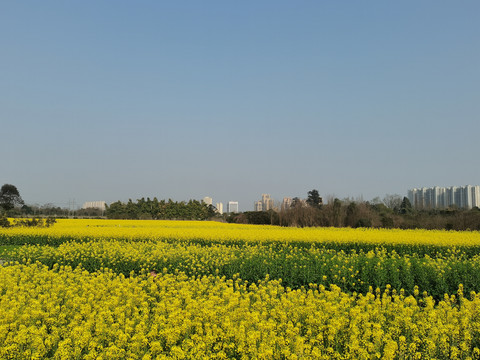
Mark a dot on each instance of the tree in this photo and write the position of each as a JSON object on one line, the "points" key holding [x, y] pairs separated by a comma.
{"points": [[392, 201], [314, 199], [296, 202], [351, 215], [116, 210], [337, 208], [10, 197], [406, 206]]}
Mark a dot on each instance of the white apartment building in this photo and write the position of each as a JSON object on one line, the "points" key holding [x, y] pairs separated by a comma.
{"points": [[267, 202], [101, 205], [286, 203], [208, 200], [232, 207], [219, 207], [465, 197]]}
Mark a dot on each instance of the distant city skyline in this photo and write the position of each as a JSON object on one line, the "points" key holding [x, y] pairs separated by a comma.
{"points": [[181, 100], [467, 196], [437, 197]]}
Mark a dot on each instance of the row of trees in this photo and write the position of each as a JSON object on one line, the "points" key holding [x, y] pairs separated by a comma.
{"points": [[12, 204], [10, 201], [155, 209], [391, 212]]}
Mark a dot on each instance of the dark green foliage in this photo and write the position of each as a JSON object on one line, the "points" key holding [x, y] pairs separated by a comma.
{"points": [[406, 206], [363, 223], [9, 197], [161, 210], [387, 222], [269, 217], [314, 199], [27, 210]]}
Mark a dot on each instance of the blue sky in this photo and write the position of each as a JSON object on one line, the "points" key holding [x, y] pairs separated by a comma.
{"points": [[103, 100]]}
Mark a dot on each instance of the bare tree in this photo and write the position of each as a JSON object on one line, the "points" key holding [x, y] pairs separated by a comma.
{"points": [[392, 201]]}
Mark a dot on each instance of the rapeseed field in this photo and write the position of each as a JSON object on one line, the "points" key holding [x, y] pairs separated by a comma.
{"points": [[114, 289]]}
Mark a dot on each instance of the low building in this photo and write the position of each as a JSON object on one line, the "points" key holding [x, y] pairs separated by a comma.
{"points": [[101, 205]]}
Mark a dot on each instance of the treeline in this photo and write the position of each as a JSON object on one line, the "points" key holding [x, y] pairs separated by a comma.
{"points": [[160, 210], [49, 210], [348, 213]]}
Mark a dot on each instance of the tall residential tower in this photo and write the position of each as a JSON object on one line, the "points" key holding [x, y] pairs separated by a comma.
{"points": [[465, 197], [232, 207]]}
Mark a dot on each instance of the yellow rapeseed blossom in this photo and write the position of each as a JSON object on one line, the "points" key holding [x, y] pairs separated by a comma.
{"points": [[221, 232], [84, 289], [72, 314]]}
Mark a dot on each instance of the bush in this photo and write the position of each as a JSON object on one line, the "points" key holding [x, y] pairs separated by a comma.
{"points": [[364, 223], [4, 221], [33, 222]]}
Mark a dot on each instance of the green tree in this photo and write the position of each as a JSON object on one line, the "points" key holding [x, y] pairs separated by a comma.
{"points": [[131, 209], [314, 199], [406, 206], [9, 197], [116, 210]]}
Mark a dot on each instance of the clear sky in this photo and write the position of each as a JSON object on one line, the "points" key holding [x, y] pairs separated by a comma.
{"points": [[110, 100]]}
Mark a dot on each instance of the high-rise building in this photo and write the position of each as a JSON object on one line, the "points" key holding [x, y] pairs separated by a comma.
{"points": [[476, 196], [219, 207], [232, 207], [468, 197], [465, 197], [208, 200], [286, 203], [438, 197], [267, 202]]}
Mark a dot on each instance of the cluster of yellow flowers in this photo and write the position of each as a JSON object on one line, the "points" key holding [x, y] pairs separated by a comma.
{"points": [[83, 290], [72, 314], [228, 233], [296, 266]]}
